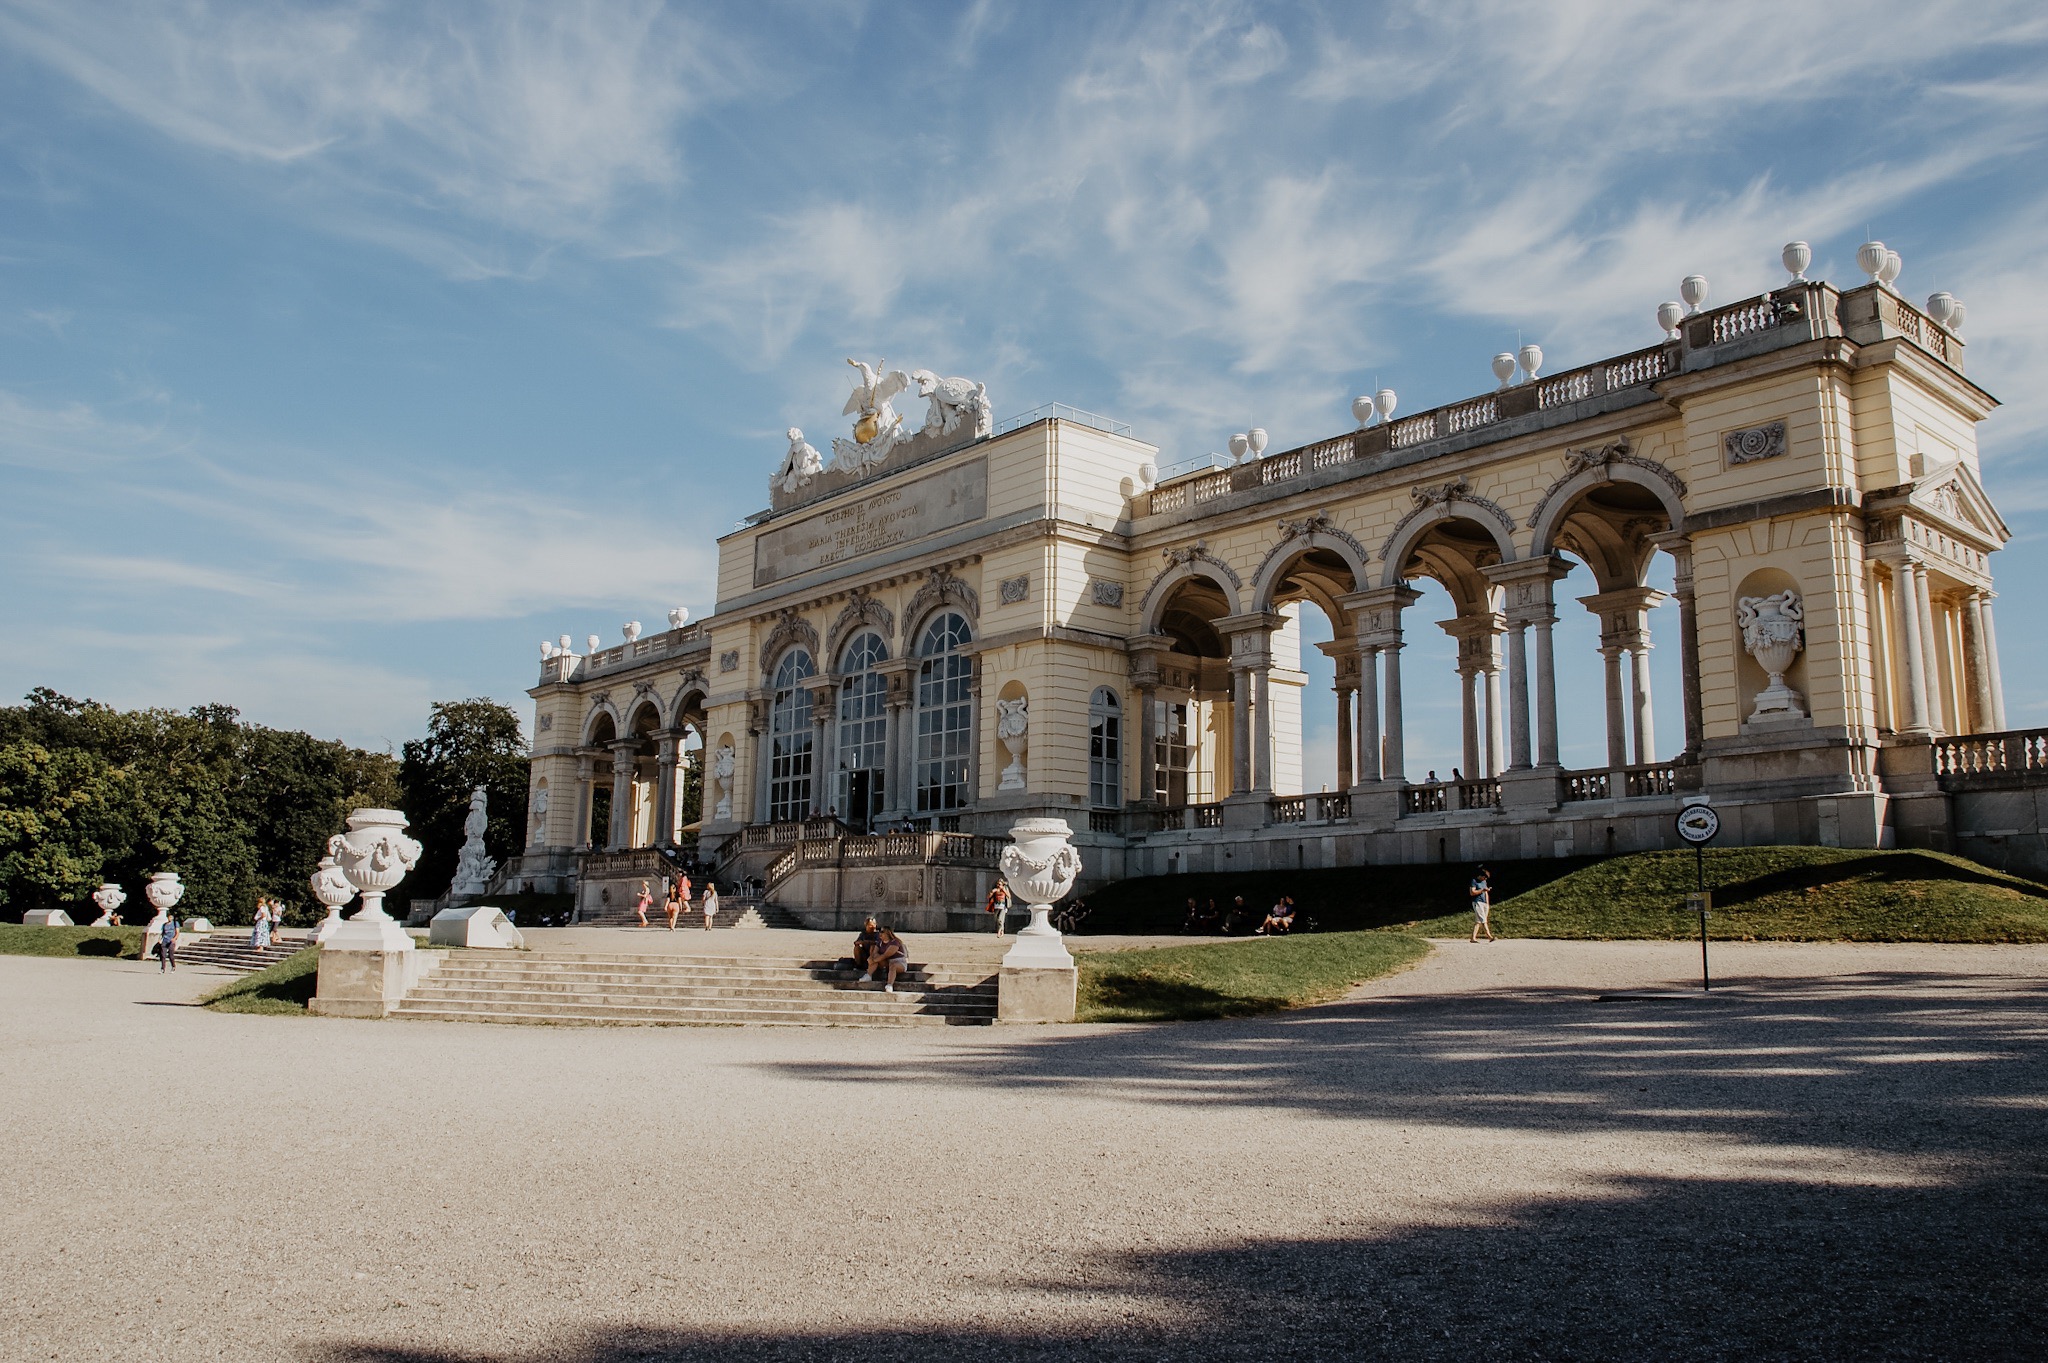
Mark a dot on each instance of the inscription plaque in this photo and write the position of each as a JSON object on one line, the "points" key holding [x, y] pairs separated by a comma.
{"points": [[880, 520]]}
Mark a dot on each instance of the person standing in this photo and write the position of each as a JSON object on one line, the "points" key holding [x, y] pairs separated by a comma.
{"points": [[643, 903], [683, 899], [999, 905], [259, 936], [674, 906], [167, 943], [710, 905], [1480, 892]]}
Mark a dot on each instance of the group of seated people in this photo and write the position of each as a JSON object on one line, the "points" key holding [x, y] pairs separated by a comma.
{"points": [[879, 951], [1208, 920]]}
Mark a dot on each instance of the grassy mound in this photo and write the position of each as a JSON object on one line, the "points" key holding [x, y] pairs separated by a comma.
{"points": [[286, 987], [1786, 894], [18, 940], [1234, 979], [1344, 900]]}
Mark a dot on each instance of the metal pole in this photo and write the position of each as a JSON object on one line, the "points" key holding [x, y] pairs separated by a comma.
{"points": [[1700, 873]]}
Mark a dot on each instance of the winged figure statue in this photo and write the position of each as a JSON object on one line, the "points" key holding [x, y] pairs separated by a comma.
{"points": [[877, 428]]}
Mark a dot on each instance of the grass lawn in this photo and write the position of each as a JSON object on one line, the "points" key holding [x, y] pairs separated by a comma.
{"points": [[282, 988], [19, 940], [1233, 979], [1785, 894]]}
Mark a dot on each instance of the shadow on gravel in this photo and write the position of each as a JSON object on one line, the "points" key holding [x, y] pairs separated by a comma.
{"points": [[1659, 1269], [1882, 1062]]}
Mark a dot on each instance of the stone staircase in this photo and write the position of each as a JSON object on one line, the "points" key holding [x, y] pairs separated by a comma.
{"points": [[524, 986], [734, 911], [229, 949]]}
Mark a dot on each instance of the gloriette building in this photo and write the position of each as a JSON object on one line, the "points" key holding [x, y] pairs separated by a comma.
{"points": [[948, 626]]}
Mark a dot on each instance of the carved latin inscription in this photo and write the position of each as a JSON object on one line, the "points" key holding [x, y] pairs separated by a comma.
{"points": [[878, 521]]}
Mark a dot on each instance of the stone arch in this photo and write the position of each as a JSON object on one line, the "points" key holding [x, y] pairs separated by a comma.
{"points": [[1587, 469], [862, 612], [602, 714], [644, 715], [1450, 501], [941, 589], [1298, 539], [691, 698], [790, 630], [1183, 565]]}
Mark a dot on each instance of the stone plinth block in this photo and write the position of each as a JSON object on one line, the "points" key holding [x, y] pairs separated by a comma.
{"points": [[1038, 982], [367, 967], [479, 926], [47, 918]]}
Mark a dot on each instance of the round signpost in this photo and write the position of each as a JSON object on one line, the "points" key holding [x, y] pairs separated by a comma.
{"points": [[1698, 824]]}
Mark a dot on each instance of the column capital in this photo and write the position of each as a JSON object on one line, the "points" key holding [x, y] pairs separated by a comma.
{"points": [[1621, 613], [1376, 613], [627, 746]]}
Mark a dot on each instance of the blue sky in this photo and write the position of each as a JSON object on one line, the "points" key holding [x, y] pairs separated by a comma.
{"points": [[348, 350]]}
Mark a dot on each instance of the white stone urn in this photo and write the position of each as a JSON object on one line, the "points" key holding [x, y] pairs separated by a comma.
{"points": [[331, 888], [1040, 866], [374, 856], [109, 897], [1013, 731], [163, 891], [1773, 632]]}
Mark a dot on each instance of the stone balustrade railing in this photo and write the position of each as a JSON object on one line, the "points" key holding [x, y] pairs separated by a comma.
{"points": [[868, 850], [565, 667], [2007, 758]]}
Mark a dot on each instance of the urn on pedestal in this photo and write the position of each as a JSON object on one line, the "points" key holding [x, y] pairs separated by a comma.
{"points": [[373, 856], [1773, 632], [1013, 731], [332, 889], [1038, 979], [109, 897], [163, 891]]}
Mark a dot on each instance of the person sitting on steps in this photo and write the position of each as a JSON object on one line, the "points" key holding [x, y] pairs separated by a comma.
{"points": [[888, 959], [864, 949], [1279, 919]]}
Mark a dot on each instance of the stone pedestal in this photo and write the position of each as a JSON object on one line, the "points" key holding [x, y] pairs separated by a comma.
{"points": [[481, 926], [47, 918], [366, 967], [1038, 982]]}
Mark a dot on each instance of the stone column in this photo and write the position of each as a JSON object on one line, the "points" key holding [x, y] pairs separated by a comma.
{"points": [[665, 787], [1518, 694], [586, 790], [1646, 732], [1369, 743], [761, 736], [1906, 602], [623, 760], [1930, 654], [1396, 751], [1148, 740], [1240, 731], [1345, 744], [1991, 655], [896, 794], [974, 736], [1980, 659], [1469, 729], [1262, 727], [1617, 708], [824, 760], [1546, 694], [1495, 757], [1679, 546]]}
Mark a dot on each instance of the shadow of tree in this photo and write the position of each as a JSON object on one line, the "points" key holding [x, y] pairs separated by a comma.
{"points": [[1895, 868]]}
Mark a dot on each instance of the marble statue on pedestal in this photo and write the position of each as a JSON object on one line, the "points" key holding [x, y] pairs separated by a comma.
{"points": [[799, 466], [1013, 731], [878, 428], [473, 868], [953, 401], [722, 763]]}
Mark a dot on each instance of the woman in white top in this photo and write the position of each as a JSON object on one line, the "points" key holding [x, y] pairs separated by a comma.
{"points": [[710, 905]]}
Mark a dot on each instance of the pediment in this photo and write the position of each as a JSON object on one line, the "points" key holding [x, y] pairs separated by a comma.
{"points": [[1954, 495]]}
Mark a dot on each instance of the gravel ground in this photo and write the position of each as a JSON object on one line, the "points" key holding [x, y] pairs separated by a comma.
{"points": [[1841, 1157]]}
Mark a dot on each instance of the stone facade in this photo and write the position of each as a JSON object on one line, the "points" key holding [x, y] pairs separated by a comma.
{"points": [[1811, 442]]}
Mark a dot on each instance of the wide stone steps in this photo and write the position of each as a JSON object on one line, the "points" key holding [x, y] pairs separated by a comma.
{"points": [[622, 988], [230, 950], [732, 913]]}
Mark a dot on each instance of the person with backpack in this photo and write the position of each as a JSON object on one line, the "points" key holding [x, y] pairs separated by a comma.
{"points": [[999, 905], [167, 944]]}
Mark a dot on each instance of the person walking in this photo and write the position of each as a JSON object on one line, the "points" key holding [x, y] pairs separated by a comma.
{"points": [[1480, 892], [683, 899], [674, 906], [999, 905], [710, 905], [167, 944], [641, 905], [259, 936]]}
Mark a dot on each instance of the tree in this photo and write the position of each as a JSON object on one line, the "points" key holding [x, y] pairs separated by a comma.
{"points": [[469, 743], [61, 820]]}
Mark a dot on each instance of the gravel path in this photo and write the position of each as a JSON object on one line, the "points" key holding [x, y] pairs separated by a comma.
{"points": [[1839, 1158]]}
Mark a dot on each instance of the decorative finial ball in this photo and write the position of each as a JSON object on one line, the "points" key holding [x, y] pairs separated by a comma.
{"points": [[1361, 410], [1892, 265], [1239, 444], [631, 629], [1941, 306], [1504, 368], [547, 649], [562, 644], [1955, 321], [1797, 255], [1669, 315], [1383, 401], [1148, 473], [1530, 357], [594, 643], [676, 616], [1870, 258], [1693, 289], [1256, 437]]}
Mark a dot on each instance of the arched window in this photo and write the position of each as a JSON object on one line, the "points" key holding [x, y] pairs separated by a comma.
{"points": [[863, 731], [789, 738], [945, 715], [1105, 750]]}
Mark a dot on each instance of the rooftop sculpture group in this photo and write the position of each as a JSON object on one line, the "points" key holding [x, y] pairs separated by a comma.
{"points": [[956, 408]]}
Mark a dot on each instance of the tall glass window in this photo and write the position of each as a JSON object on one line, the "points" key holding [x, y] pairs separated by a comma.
{"points": [[789, 739], [1172, 753], [1105, 750], [945, 715], [863, 731]]}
